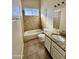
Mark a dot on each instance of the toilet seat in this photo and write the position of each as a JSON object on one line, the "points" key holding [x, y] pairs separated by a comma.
{"points": [[41, 37]]}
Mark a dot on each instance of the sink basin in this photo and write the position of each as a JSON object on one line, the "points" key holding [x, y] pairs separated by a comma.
{"points": [[58, 38]]}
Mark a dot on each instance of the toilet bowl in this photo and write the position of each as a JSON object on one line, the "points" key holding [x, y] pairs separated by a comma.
{"points": [[41, 37]]}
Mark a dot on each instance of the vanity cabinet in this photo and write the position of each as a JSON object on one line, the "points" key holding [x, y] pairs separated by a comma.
{"points": [[55, 54], [55, 51], [47, 43]]}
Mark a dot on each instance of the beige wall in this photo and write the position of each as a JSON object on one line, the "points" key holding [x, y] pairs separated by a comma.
{"points": [[17, 32], [30, 3], [47, 20], [31, 23]]}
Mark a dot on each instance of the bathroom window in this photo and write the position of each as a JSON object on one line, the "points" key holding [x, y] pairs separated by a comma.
{"points": [[31, 12]]}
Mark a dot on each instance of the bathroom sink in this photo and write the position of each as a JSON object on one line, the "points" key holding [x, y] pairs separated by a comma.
{"points": [[58, 38]]}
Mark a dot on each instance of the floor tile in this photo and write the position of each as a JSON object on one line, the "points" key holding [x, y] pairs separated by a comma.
{"points": [[34, 49]]}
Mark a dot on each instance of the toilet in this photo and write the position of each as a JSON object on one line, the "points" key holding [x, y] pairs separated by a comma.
{"points": [[41, 37]]}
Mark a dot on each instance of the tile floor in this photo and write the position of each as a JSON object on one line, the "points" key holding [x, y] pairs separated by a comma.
{"points": [[35, 50]]}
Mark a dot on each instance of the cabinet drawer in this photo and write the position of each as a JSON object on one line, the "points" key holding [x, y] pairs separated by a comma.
{"points": [[48, 44], [55, 54]]}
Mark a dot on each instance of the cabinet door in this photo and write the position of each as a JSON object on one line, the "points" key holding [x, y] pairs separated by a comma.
{"points": [[59, 49], [48, 43], [55, 54]]}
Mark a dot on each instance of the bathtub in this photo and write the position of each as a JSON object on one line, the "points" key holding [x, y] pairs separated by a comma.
{"points": [[28, 35]]}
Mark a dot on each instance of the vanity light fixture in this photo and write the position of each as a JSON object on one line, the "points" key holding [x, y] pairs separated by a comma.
{"points": [[55, 6], [63, 2], [58, 4]]}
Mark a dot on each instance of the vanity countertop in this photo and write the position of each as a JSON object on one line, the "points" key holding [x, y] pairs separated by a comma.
{"points": [[62, 45]]}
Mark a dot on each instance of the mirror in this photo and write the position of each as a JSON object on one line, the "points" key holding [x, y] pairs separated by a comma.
{"points": [[59, 22], [56, 19]]}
